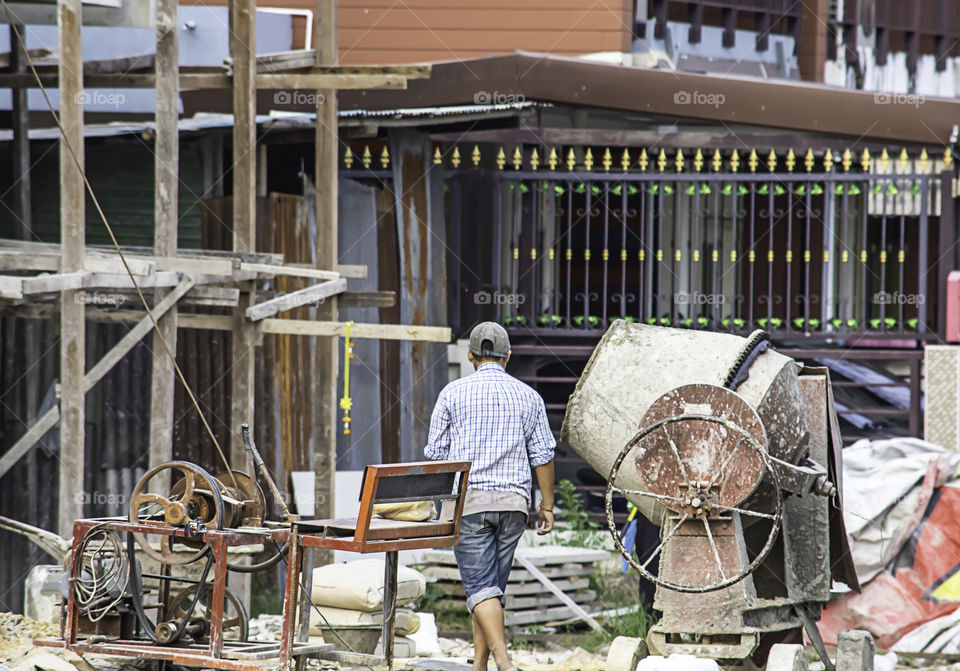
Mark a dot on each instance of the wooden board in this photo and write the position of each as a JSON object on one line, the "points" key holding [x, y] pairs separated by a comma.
{"points": [[542, 555], [519, 588], [516, 575]]}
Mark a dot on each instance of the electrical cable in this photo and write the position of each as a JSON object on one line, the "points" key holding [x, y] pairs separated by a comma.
{"points": [[113, 239], [91, 592], [303, 590]]}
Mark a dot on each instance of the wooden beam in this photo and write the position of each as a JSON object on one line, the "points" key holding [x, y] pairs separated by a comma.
{"points": [[72, 247], [315, 81], [48, 283], [11, 287], [49, 419], [117, 281], [243, 52], [135, 335], [333, 329], [326, 151], [29, 439], [166, 197], [290, 270], [8, 59], [20, 111], [296, 299], [351, 271], [374, 331], [122, 65], [368, 299]]}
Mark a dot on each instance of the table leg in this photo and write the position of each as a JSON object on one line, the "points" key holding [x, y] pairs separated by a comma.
{"points": [[306, 583], [290, 598], [389, 605]]}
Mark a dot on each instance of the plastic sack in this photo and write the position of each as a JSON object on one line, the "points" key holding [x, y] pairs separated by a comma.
{"points": [[406, 623], [358, 585], [406, 511]]}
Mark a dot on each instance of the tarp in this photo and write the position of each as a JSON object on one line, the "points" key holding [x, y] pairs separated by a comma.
{"points": [[901, 506]]}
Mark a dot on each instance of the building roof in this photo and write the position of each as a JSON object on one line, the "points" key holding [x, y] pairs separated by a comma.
{"points": [[524, 77]]}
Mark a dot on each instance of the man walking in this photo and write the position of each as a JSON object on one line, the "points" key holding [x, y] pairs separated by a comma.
{"points": [[500, 425]]}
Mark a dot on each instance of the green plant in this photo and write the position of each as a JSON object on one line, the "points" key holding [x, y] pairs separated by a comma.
{"points": [[571, 511]]}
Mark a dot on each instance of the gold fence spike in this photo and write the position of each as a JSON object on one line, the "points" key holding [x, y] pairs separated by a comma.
{"points": [[715, 256], [642, 255], [607, 159], [884, 159], [863, 256], [348, 158], [625, 160], [772, 160], [769, 256], [698, 160], [901, 255], [947, 158], [623, 255], [533, 253], [752, 160], [571, 159], [385, 158], [643, 160], [475, 155], [586, 254], [678, 255], [534, 159], [552, 160], [924, 160], [678, 161], [588, 159], [734, 161], [865, 160], [733, 256], [791, 160], [826, 256], [501, 159], [808, 160], [662, 160], [455, 157], [696, 256], [366, 158], [828, 161], [789, 256], [551, 254], [844, 256], [437, 156], [569, 255], [752, 256], [517, 158], [847, 160], [606, 254], [717, 160], [902, 160]]}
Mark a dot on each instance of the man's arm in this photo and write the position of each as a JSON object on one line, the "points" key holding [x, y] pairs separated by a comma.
{"points": [[438, 442], [544, 475], [540, 448]]}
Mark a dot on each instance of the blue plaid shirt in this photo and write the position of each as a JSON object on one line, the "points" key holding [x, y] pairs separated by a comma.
{"points": [[495, 421]]}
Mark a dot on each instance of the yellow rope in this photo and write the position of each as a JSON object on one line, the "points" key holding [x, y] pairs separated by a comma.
{"points": [[345, 402]]}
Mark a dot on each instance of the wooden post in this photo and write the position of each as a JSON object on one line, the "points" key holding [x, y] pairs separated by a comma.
{"points": [[21, 139], [72, 234], [243, 50], [166, 197], [327, 143]]}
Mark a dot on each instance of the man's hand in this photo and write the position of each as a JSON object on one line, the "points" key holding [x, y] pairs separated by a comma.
{"points": [[544, 522]]}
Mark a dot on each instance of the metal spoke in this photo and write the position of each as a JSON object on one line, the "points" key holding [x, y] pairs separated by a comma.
{"points": [[743, 511], [663, 542], [640, 492], [676, 453], [726, 463], [713, 546]]}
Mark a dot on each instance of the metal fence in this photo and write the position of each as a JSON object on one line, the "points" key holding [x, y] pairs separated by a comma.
{"points": [[827, 245]]}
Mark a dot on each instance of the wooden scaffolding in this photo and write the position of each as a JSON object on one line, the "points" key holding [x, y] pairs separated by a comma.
{"points": [[167, 275]]}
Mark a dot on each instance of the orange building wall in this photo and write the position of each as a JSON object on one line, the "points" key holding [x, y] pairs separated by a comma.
{"points": [[414, 31]]}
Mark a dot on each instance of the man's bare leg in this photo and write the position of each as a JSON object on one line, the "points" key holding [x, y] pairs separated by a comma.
{"points": [[481, 652], [488, 614]]}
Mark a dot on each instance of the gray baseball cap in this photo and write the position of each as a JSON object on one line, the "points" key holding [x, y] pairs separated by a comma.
{"points": [[493, 332]]}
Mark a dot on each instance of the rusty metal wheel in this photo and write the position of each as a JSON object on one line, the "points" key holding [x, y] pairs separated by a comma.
{"points": [[194, 498], [234, 616], [701, 468]]}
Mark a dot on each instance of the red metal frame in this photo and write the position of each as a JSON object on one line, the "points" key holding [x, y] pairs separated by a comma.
{"points": [[229, 656]]}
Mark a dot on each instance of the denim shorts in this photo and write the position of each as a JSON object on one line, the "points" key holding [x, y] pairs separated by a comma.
{"points": [[485, 553]]}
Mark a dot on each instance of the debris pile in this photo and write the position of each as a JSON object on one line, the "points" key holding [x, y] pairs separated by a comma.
{"points": [[16, 636]]}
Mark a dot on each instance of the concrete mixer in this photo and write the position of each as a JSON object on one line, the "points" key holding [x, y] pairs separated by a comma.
{"points": [[733, 450]]}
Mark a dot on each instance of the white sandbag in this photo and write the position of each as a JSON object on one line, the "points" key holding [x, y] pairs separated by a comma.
{"points": [[426, 637], [358, 585], [407, 622], [677, 663]]}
